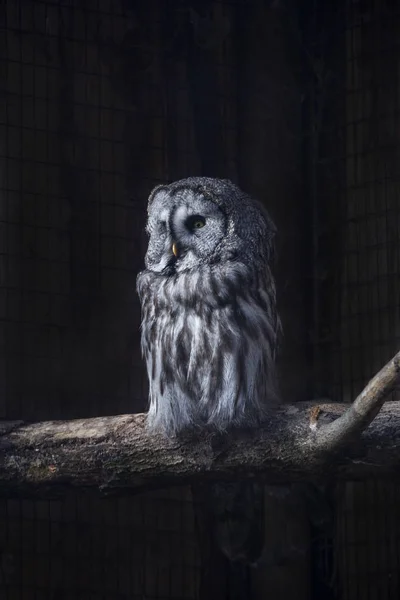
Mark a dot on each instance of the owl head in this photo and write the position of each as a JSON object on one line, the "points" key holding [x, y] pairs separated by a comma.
{"points": [[201, 221]]}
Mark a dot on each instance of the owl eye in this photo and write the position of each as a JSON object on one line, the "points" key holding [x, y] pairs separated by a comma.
{"points": [[195, 222]]}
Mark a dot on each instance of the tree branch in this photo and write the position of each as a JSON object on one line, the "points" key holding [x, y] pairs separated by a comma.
{"points": [[363, 410], [118, 455]]}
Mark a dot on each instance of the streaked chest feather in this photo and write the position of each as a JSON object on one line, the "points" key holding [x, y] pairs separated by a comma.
{"points": [[209, 343]]}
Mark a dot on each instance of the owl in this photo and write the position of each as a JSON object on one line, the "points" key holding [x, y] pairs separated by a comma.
{"points": [[210, 327]]}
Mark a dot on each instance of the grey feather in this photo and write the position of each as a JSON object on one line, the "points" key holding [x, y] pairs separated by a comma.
{"points": [[210, 327]]}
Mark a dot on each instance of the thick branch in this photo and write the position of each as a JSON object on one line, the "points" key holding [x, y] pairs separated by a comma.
{"points": [[363, 410], [116, 454]]}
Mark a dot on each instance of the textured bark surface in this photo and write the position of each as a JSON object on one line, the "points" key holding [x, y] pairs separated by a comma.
{"points": [[117, 454]]}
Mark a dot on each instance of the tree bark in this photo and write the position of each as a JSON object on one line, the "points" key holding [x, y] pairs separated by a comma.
{"points": [[118, 455]]}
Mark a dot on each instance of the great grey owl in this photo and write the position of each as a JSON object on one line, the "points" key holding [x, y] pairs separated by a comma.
{"points": [[210, 328]]}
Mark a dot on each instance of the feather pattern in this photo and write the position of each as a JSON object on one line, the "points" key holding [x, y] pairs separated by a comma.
{"points": [[210, 329], [209, 341]]}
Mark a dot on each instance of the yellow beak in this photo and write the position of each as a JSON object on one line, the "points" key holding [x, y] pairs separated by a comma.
{"points": [[174, 250]]}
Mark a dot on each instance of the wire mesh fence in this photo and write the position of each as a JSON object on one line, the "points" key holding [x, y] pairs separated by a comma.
{"points": [[97, 108], [356, 211], [356, 168], [83, 140], [80, 547], [101, 101]]}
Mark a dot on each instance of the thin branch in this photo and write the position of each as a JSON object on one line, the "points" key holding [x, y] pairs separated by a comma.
{"points": [[363, 410]]}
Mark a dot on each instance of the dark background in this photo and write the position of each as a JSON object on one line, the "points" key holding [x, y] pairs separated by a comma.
{"points": [[297, 102]]}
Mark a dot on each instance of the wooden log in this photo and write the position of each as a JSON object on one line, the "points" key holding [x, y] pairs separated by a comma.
{"points": [[118, 455], [305, 441]]}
